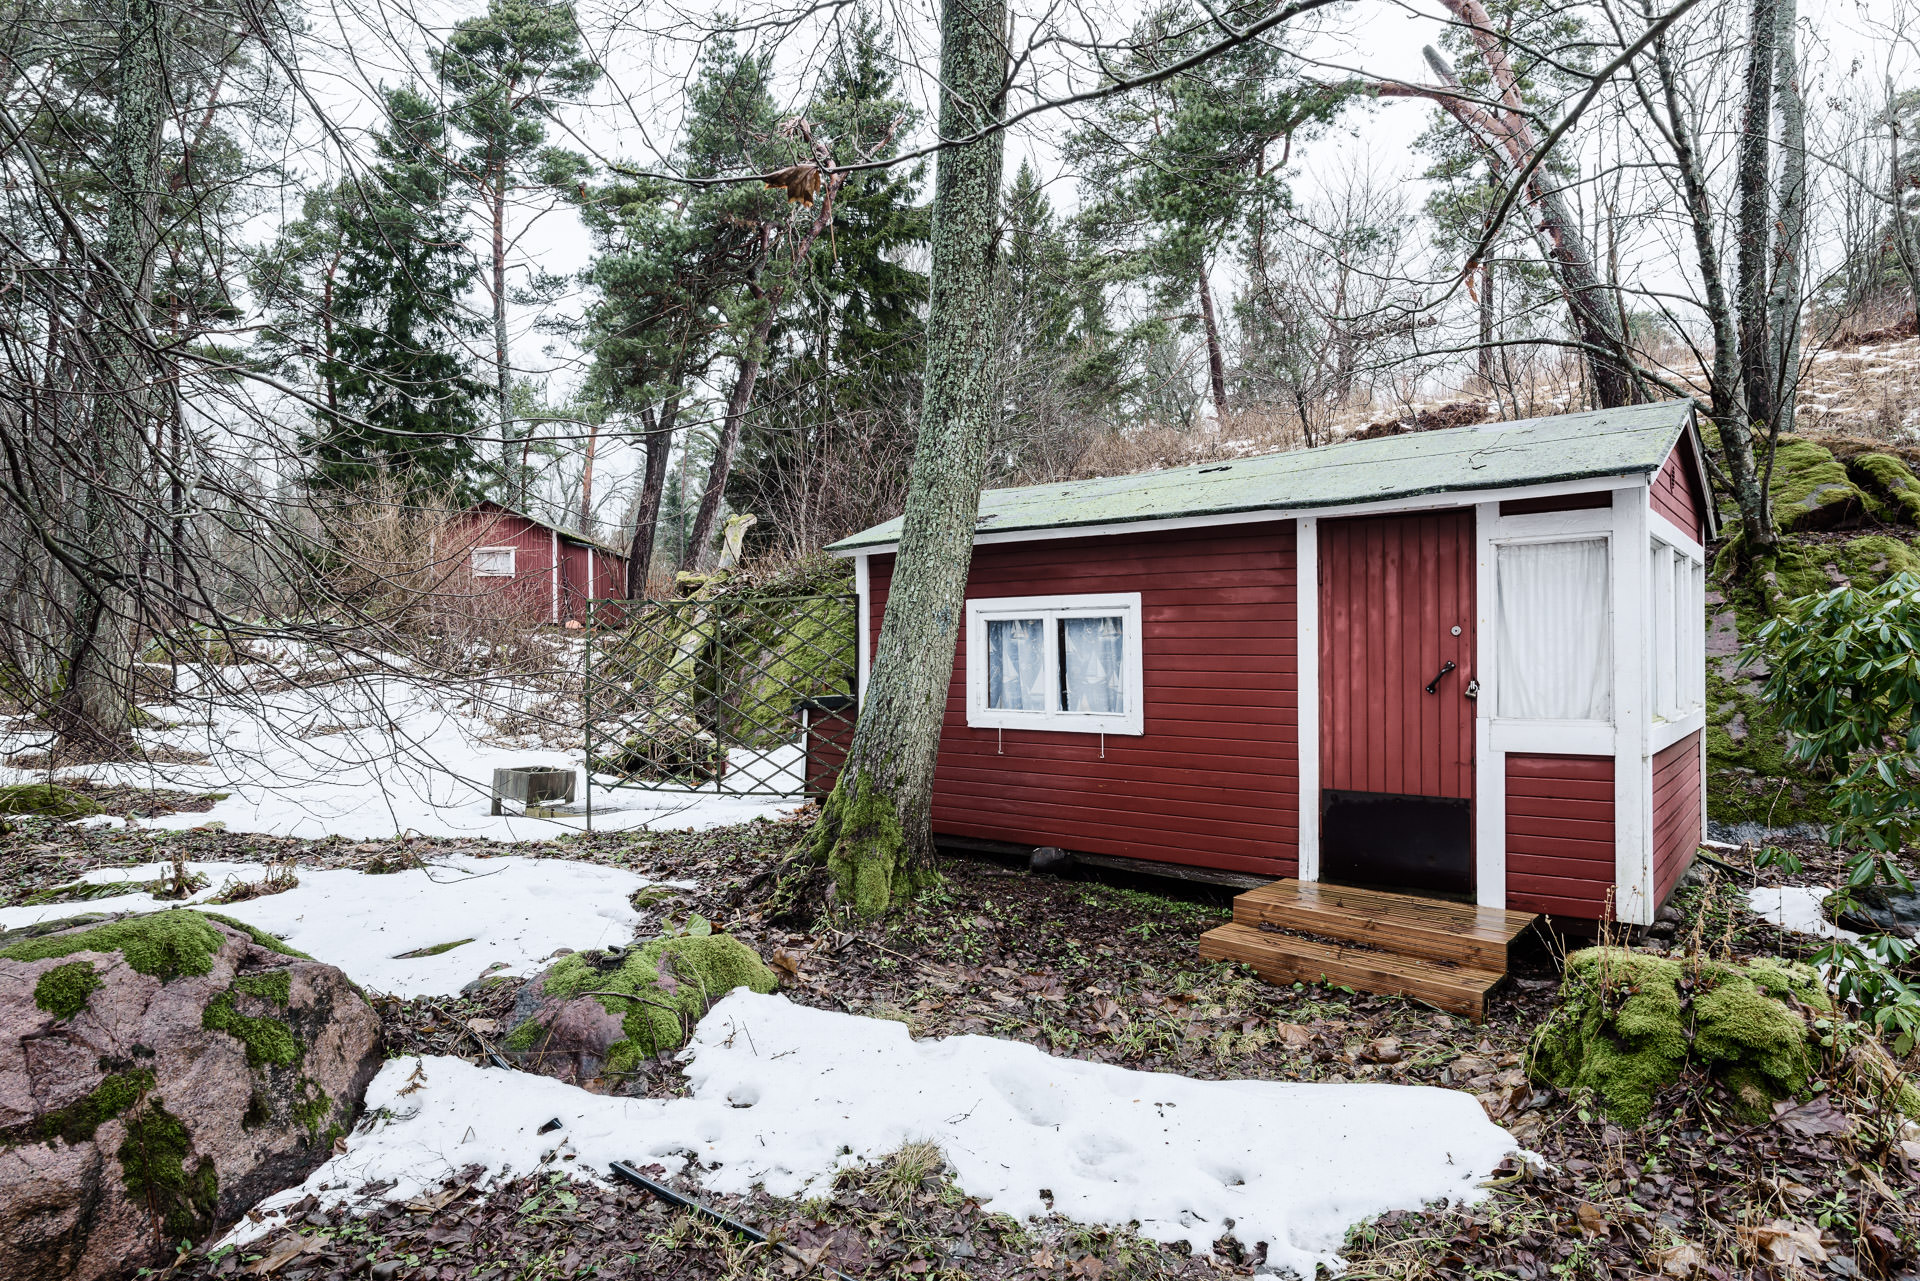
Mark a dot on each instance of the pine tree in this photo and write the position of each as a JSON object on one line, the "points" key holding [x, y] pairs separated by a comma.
{"points": [[403, 401]]}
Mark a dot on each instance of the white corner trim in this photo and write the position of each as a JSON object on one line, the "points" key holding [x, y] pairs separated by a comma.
{"points": [[555, 536], [1489, 759], [1306, 613], [1632, 768], [863, 589], [1052, 609]]}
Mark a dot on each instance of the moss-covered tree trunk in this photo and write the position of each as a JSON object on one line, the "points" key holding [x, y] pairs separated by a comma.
{"points": [[876, 831]]}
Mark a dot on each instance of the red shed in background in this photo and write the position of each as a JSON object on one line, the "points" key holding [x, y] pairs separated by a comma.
{"points": [[553, 573], [1465, 664]]}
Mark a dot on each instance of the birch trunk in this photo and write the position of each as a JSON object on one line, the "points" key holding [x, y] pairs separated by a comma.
{"points": [[1785, 300], [93, 712], [875, 833]]}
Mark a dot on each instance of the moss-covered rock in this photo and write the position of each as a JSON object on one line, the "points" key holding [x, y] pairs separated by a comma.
{"points": [[1629, 1023], [1892, 490], [47, 800], [1811, 488], [595, 1013], [212, 1067]]}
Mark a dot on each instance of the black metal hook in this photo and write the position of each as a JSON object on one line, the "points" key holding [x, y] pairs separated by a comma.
{"points": [[1432, 685]]}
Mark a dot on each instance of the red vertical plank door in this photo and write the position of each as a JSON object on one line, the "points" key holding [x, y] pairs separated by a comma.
{"points": [[1392, 589]]}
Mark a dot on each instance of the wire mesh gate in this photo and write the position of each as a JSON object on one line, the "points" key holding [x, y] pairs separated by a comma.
{"points": [[745, 695]]}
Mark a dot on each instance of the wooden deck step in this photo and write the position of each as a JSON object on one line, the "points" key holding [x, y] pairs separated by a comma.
{"points": [[1285, 958], [1436, 929]]}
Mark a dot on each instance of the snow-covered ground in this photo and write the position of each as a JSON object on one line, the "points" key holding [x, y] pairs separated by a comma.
{"points": [[783, 1095], [512, 912], [382, 756], [1797, 908]]}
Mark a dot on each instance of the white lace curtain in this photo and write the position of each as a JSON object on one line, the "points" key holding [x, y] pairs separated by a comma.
{"points": [[1092, 665], [1555, 633], [1017, 664], [1092, 678]]}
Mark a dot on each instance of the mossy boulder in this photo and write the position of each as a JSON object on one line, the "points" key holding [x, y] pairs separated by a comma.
{"points": [[1811, 488], [158, 1075], [1629, 1023], [593, 1018], [47, 800], [1892, 490]]}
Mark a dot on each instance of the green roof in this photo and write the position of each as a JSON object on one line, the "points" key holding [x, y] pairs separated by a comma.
{"points": [[1602, 443]]}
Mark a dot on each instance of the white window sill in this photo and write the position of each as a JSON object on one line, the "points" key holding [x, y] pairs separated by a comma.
{"points": [[1056, 722], [1554, 738], [1667, 733]]}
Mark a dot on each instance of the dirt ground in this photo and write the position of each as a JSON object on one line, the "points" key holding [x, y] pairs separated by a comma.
{"points": [[1106, 969]]}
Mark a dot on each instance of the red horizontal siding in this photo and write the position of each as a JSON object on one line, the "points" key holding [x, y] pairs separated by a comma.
{"points": [[1560, 838], [1676, 813], [531, 587], [1676, 490], [1214, 781]]}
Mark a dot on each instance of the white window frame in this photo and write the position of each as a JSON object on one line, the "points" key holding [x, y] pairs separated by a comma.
{"points": [[473, 562], [1051, 609], [1512, 734], [1685, 561]]}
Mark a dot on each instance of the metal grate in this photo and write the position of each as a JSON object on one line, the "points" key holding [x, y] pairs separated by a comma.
{"points": [[743, 695]]}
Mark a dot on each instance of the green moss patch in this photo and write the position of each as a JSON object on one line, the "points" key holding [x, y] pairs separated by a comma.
{"points": [[258, 935], [274, 986], [165, 945], [76, 1122], [312, 1109], [1891, 488], [864, 848], [268, 1040], [64, 990], [1811, 488], [1628, 1024], [666, 984], [154, 1166], [47, 800]]}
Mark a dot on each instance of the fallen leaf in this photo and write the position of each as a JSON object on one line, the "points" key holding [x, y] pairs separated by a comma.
{"points": [[1386, 1049], [1812, 1119], [1592, 1222], [290, 1248], [788, 963], [1785, 1242], [1682, 1261], [1293, 1036]]}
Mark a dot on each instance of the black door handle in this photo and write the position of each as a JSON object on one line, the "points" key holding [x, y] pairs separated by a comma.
{"points": [[1432, 685]]}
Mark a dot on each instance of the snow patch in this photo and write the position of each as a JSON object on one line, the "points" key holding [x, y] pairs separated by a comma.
{"points": [[1291, 1165], [1797, 908], [513, 912], [377, 757]]}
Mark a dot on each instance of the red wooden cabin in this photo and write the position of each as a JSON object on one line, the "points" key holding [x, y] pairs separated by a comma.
{"points": [[1466, 663], [552, 572]]}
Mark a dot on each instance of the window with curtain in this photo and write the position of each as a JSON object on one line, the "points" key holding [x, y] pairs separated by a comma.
{"points": [[1060, 662], [1676, 641], [1554, 630]]}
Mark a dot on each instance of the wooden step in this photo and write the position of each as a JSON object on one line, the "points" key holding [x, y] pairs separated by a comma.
{"points": [[1285, 958], [1437, 929]]}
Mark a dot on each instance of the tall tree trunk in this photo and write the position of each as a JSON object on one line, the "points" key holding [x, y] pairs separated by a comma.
{"points": [[875, 833], [1785, 300], [586, 480], [1590, 311], [513, 477], [1897, 200], [93, 712], [1755, 180], [699, 549], [657, 447], [1728, 405], [1486, 323], [1216, 360]]}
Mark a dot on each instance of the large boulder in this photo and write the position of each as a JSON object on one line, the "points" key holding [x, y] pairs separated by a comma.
{"points": [[592, 1018], [1811, 488], [1629, 1022], [1892, 490], [158, 1075]]}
